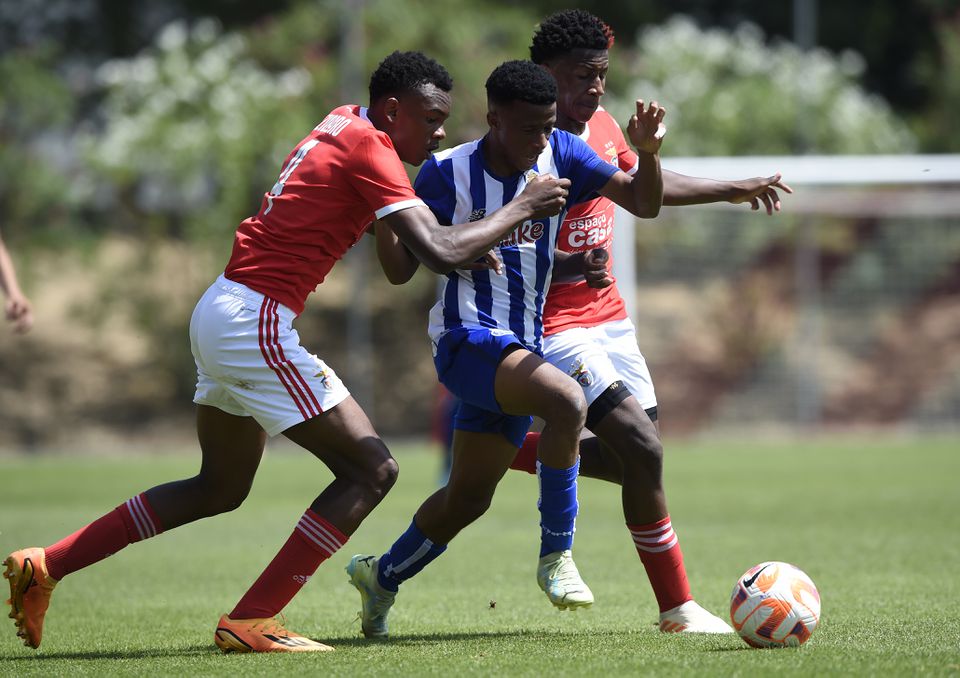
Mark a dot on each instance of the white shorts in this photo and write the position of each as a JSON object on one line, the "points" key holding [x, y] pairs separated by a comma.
{"points": [[250, 361], [600, 355]]}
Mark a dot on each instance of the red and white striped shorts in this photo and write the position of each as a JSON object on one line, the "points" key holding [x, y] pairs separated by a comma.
{"points": [[250, 361]]}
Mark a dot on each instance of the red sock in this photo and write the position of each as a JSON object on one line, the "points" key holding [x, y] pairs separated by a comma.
{"points": [[132, 521], [312, 542], [526, 459], [660, 553]]}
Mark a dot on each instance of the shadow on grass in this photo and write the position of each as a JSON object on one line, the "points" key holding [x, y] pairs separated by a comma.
{"points": [[740, 648], [158, 653], [414, 640], [396, 640]]}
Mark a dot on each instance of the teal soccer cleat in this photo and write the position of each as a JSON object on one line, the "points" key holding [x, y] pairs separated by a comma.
{"points": [[375, 599], [559, 578]]}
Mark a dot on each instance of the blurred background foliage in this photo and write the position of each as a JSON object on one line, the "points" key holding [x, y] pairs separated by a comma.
{"points": [[136, 134], [168, 118]]}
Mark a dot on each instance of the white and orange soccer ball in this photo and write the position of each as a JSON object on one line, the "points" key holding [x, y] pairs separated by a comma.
{"points": [[775, 604]]}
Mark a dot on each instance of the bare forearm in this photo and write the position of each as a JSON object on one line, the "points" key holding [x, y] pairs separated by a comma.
{"points": [[647, 186], [397, 262], [8, 276], [444, 248], [680, 189], [567, 266]]}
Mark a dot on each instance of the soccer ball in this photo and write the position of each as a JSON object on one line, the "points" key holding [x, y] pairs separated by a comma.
{"points": [[774, 604]]}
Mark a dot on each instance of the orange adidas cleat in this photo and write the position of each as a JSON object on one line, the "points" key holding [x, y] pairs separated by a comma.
{"points": [[261, 635], [30, 591]]}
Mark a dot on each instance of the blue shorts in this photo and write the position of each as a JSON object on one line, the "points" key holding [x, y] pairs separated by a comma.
{"points": [[466, 362]]}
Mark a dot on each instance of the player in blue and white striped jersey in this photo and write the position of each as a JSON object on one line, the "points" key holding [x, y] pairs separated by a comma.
{"points": [[457, 186], [487, 329]]}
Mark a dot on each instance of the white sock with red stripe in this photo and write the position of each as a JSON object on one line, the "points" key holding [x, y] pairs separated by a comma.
{"points": [[132, 521], [659, 550], [312, 542]]}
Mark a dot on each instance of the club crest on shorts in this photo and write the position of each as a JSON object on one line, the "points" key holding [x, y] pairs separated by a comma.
{"points": [[581, 373], [326, 375]]}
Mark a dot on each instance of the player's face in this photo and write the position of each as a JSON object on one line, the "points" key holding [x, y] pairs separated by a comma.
{"points": [[581, 76], [521, 131], [417, 125]]}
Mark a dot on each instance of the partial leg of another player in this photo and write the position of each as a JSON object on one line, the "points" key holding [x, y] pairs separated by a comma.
{"points": [[628, 451], [484, 444], [223, 482], [345, 440], [633, 439], [534, 385]]}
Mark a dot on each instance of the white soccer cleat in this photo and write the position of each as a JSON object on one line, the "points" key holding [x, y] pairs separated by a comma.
{"points": [[691, 618], [376, 601], [559, 578]]}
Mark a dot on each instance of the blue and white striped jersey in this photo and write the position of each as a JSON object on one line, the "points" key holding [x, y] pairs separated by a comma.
{"points": [[458, 187]]}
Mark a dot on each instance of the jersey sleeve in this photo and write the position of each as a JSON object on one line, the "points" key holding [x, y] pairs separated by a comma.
{"points": [[436, 188], [378, 175], [586, 170]]}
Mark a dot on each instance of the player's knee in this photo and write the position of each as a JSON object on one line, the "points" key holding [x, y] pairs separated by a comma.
{"points": [[377, 470], [221, 497], [567, 407], [234, 499], [385, 476]]}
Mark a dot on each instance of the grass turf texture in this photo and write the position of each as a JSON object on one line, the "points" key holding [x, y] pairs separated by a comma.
{"points": [[875, 524]]}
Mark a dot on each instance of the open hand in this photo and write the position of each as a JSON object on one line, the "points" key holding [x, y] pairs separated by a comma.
{"points": [[646, 129], [759, 190]]}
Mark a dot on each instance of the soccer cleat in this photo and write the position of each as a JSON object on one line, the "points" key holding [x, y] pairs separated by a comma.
{"points": [[375, 599], [261, 635], [691, 618], [559, 578], [30, 590]]}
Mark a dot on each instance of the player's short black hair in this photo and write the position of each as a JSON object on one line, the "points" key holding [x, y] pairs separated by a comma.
{"points": [[406, 71], [568, 30], [521, 81]]}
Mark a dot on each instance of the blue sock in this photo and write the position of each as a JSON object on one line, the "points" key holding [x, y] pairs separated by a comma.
{"points": [[409, 554], [558, 507]]}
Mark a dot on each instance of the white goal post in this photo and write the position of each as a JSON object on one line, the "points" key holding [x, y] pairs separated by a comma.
{"points": [[847, 184]]}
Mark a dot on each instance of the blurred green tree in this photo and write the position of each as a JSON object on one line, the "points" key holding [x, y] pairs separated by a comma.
{"points": [[732, 93], [189, 125], [197, 125], [36, 112]]}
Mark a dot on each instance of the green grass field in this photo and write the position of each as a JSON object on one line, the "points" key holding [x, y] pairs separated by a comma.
{"points": [[875, 524]]}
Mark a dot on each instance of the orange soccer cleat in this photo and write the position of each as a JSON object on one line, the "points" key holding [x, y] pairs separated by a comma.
{"points": [[30, 590], [261, 635]]}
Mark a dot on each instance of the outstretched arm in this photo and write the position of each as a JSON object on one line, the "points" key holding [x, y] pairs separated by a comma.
{"points": [[16, 307], [444, 248], [641, 194], [680, 189]]}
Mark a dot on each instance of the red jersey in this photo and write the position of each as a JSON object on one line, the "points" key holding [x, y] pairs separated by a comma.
{"points": [[341, 177], [589, 225]]}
